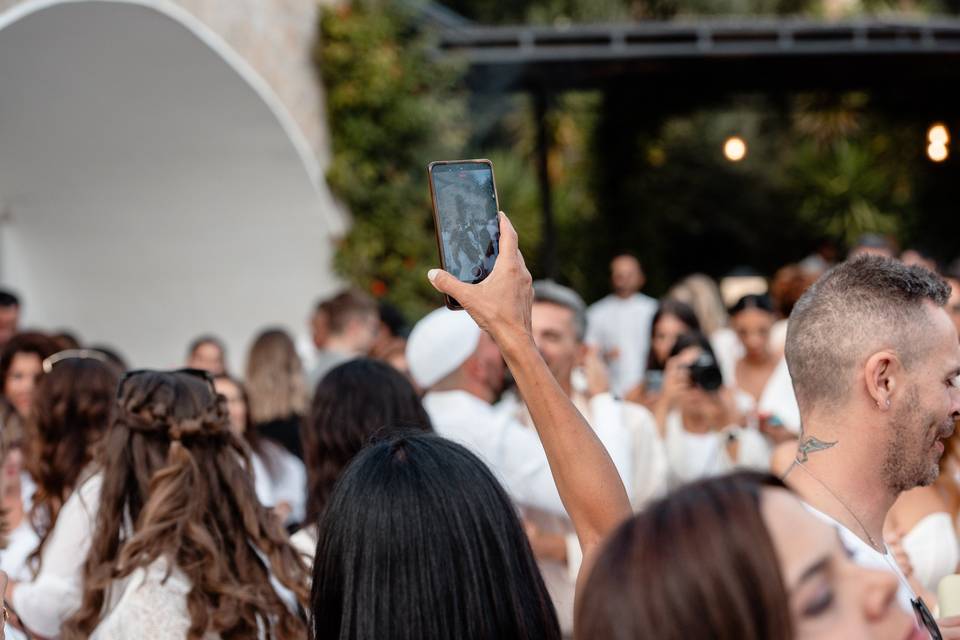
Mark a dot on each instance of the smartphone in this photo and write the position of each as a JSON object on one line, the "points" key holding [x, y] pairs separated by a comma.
{"points": [[465, 216]]}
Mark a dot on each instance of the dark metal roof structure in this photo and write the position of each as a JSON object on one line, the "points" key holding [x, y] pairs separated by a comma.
{"points": [[710, 56]]}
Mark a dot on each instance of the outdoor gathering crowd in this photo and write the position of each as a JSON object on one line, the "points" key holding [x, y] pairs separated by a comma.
{"points": [[748, 460]]}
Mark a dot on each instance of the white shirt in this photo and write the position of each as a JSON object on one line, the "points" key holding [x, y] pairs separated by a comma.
{"points": [[692, 456], [512, 451], [57, 590], [279, 476], [612, 420], [866, 556], [622, 324]]}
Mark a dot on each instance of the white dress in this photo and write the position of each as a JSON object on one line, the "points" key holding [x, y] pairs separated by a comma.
{"points": [[778, 398], [692, 456], [932, 548], [146, 606]]}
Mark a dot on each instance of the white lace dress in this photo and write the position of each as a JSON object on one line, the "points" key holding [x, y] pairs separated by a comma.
{"points": [[149, 607]]}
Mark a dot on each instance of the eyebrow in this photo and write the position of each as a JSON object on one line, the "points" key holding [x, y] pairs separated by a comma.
{"points": [[817, 567]]}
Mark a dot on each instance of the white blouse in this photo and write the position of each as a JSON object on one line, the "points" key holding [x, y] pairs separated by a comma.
{"points": [[150, 606], [56, 592], [279, 476]]}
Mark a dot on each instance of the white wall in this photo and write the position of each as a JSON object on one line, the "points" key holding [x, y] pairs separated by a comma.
{"points": [[153, 186]]}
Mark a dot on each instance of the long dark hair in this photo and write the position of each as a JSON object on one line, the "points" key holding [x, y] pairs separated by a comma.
{"points": [[71, 411], [698, 563], [355, 402], [681, 311], [420, 542], [173, 467]]}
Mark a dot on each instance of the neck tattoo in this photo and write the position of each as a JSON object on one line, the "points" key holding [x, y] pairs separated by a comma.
{"points": [[809, 445]]}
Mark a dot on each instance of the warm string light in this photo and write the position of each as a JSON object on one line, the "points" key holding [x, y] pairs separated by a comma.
{"points": [[938, 137], [734, 149]]}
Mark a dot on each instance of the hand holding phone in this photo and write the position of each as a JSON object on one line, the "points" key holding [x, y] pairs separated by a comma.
{"points": [[465, 215]]}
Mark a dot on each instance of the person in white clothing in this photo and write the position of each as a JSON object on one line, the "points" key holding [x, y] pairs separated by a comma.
{"points": [[875, 363], [702, 424], [178, 501], [619, 325], [920, 531], [761, 374], [463, 371], [559, 324], [279, 476], [71, 412]]}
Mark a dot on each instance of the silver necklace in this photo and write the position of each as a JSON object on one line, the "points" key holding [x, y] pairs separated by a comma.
{"points": [[879, 548]]}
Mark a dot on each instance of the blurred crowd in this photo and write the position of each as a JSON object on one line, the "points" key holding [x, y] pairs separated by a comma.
{"points": [[614, 476]]}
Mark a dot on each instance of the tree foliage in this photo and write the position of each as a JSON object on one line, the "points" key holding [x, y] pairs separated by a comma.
{"points": [[392, 107]]}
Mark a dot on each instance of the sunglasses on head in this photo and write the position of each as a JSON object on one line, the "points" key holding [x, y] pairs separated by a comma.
{"points": [[925, 619], [203, 374], [73, 354]]}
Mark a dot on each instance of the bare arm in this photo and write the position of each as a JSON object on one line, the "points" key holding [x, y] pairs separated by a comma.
{"points": [[587, 480]]}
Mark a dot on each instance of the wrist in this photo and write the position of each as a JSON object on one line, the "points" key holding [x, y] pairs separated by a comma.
{"points": [[513, 341]]}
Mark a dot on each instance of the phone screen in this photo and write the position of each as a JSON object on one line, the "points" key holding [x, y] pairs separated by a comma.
{"points": [[468, 229]]}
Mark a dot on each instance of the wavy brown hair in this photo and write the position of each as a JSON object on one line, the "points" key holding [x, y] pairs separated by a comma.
{"points": [[71, 412], [172, 465]]}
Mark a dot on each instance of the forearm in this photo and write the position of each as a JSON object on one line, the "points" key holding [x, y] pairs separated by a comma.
{"points": [[587, 480]]}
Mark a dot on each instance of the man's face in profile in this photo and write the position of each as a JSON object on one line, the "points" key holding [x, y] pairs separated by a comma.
{"points": [[925, 410]]}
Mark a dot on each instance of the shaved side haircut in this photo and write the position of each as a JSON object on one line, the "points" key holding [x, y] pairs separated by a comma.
{"points": [[856, 309]]}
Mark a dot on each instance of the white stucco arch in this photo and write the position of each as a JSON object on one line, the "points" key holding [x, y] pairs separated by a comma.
{"points": [[152, 185]]}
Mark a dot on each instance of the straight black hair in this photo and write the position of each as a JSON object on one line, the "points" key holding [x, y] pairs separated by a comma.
{"points": [[420, 542]]}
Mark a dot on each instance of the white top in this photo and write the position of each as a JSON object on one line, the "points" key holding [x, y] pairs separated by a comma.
{"points": [[56, 592], [692, 456], [778, 398], [284, 479], [865, 555], [149, 607], [512, 451], [932, 548], [21, 542], [622, 324]]}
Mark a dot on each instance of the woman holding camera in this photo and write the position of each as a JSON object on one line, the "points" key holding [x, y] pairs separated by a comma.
{"points": [[699, 419]]}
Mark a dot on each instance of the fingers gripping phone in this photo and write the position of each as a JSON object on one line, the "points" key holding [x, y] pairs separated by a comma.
{"points": [[465, 216]]}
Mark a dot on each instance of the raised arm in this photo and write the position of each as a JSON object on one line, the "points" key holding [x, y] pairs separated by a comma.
{"points": [[587, 480]]}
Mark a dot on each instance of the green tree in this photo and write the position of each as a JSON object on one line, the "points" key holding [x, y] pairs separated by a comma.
{"points": [[392, 107]]}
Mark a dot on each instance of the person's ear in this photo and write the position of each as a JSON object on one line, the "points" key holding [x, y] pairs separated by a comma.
{"points": [[882, 373]]}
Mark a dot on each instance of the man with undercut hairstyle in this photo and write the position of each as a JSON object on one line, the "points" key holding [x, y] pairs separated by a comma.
{"points": [[875, 360]]}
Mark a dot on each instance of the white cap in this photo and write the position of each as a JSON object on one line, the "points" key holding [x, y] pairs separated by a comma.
{"points": [[439, 344]]}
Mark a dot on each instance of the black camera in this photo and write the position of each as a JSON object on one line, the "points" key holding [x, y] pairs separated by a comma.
{"points": [[705, 373]]}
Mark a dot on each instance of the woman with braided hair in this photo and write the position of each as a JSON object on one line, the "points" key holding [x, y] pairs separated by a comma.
{"points": [[181, 547]]}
